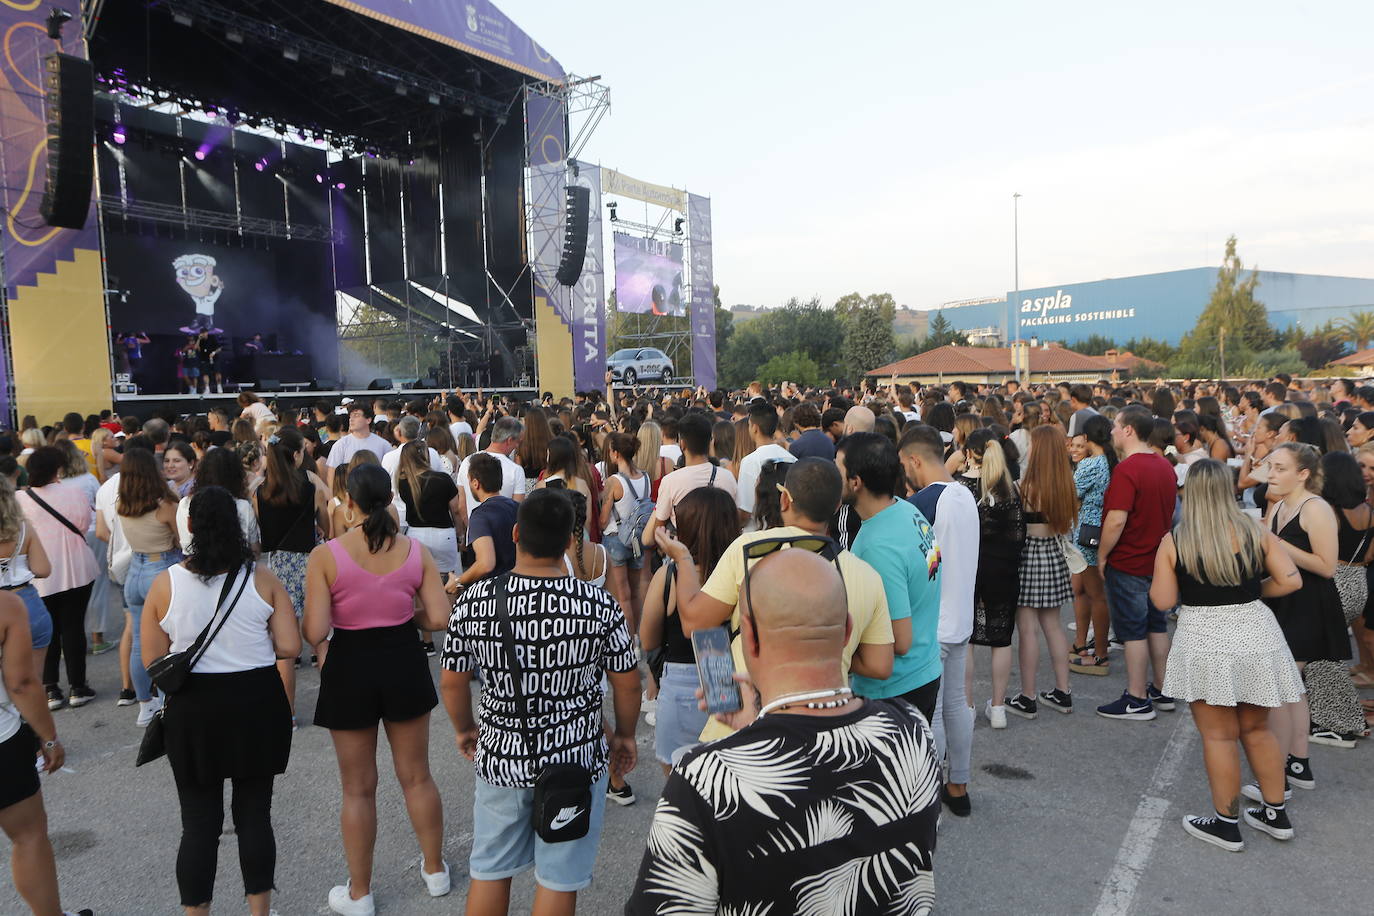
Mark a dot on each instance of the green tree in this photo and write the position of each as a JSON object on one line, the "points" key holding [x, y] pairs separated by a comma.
{"points": [[1092, 345], [1358, 329], [805, 327], [1159, 351], [790, 367], [867, 322], [1318, 349], [1234, 326]]}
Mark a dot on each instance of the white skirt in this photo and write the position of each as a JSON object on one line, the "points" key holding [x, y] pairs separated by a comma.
{"points": [[1231, 653], [442, 544]]}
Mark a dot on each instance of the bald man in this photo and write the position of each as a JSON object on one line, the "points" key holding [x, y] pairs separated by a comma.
{"points": [[813, 757], [858, 420]]}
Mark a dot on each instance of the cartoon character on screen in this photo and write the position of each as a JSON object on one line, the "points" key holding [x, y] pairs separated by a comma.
{"points": [[196, 276]]}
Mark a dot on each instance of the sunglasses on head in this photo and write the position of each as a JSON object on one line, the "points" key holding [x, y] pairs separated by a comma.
{"points": [[757, 550]]}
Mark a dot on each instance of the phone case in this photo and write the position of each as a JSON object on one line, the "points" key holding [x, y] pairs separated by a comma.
{"points": [[715, 668]]}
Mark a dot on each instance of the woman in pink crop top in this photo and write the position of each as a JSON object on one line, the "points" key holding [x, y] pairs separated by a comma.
{"points": [[360, 594]]}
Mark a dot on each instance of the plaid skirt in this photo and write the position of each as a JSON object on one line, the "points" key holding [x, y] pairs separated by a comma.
{"points": [[1045, 580]]}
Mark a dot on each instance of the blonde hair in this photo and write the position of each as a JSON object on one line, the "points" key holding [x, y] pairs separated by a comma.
{"points": [[98, 437], [11, 513], [1217, 543], [997, 479], [464, 445], [964, 424], [744, 443], [651, 445]]}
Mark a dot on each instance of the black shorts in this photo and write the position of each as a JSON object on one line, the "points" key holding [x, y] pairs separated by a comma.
{"points": [[18, 774], [374, 674]]}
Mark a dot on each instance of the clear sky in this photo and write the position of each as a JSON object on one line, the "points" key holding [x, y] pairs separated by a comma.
{"points": [[875, 146]]}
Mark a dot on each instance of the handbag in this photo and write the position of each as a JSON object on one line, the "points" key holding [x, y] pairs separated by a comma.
{"points": [[1073, 557], [562, 791], [1089, 535], [154, 742], [170, 671]]}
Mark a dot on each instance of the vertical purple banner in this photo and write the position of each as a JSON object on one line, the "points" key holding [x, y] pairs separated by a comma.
{"points": [[546, 151], [588, 294], [703, 291]]}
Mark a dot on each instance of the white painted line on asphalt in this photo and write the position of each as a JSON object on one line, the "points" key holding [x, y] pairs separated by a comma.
{"points": [[1118, 893]]}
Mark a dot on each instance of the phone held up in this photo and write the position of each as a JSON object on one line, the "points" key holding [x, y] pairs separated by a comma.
{"points": [[716, 668]]}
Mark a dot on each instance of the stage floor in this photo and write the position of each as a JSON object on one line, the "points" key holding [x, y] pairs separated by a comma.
{"points": [[144, 406]]}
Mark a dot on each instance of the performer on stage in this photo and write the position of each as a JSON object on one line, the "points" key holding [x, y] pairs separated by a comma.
{"points": [[208, 349]]}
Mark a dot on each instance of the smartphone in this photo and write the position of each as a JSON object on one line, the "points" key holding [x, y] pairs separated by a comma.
{"points": [[715, 668]]}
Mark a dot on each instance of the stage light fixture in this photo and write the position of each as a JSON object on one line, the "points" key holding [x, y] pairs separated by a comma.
{"points": [[56, 19], [200, 155], [291, 53], [234, 36], [615, 218], [400, 89], [341, 186], [469, 111], [319, 179], [677, 225], [181, 18], [119, 135], [500, 120], [434, 98], [261, 165]]}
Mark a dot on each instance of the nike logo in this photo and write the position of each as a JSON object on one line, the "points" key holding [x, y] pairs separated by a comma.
{"points": [[1136, 708], [564, 818]]}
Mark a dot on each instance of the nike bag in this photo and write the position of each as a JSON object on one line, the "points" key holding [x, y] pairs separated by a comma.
{"points": [[562, 791]]}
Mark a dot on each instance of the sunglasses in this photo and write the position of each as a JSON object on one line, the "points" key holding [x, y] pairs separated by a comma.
{"points": [[757, 550]]}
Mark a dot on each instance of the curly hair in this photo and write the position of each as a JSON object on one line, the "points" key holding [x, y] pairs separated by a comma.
{"points": [[217, 542]]}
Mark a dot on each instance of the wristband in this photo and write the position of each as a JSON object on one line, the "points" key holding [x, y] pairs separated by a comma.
{"points": [[49, 745]]}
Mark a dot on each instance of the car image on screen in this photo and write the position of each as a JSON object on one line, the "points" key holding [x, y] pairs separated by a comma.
{"points": [[634, 365]]}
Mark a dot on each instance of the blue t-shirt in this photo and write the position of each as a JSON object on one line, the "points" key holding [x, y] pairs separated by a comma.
{"points": [[813, 444], [495, 518], [900, 544]]}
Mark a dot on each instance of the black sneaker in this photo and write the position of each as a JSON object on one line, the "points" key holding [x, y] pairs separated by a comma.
{"points": [[126, 698], [1023, 706], [624, 796], [959, 805], [429, 649], [1252, 791], [1159, 700], [80, 696], [1299, 772], [1273, 821], [1330, 737], [1057, 700], [1128, 707], [1214, 830], [55, 698]]}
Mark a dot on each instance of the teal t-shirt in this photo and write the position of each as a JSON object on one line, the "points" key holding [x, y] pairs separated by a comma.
{"points": [[900, 544]]}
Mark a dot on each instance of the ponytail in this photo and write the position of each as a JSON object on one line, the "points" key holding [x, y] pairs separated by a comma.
{"points": [[370, 489], [1309, 460], [998, 480]]}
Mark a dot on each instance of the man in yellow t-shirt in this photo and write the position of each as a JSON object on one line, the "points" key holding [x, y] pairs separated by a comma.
{"points": [[75, 428], [810, 496]]}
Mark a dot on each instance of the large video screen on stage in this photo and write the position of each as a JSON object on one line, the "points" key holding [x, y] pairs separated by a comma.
{"points": [[171, 288], [648, 276]]}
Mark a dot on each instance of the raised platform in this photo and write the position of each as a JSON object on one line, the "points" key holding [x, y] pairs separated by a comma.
{"points": [[144, 406]]}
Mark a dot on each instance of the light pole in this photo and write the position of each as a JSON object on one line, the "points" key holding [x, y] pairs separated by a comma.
{"points": [[1016, 274]]}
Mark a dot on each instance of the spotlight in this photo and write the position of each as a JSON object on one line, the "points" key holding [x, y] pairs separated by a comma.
{"points": [[56, 19], [291, 53], [261, 165], [341, 186], [400, 89], [319, 179], [337, 69], [119, 135], [500, 120], [677, 225], [200, 155], [614, 217], [181, 18], [434, 98], [468, 110], [234, 36]]}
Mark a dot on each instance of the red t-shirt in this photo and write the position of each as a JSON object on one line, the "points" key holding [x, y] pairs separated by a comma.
{"points": [[1145, 487]]}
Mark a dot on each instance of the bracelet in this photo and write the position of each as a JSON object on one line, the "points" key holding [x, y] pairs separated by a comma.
{"points": [[49, 745]]}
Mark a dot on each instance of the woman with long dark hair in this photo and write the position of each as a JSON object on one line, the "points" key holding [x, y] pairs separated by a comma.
{"points": [[1090, 479], [707, 523], [1229, 660], [363, 587], [533, 453], [231, 721], [1049, 507]]}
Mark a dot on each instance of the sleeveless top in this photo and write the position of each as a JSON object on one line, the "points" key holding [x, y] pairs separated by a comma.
{"points": [[289, 526], [363, 600], [145, 534], [1351, 543], [677, 646], [9, 716], [14, 569], [242, 645], [1196, 593], [605, 562]]}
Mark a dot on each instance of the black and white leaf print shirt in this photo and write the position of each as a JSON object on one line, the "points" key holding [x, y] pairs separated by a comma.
{"points": [[567, 632], [814, 815]]}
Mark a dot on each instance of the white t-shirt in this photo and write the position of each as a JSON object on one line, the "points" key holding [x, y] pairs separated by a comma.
{"points": [[958, 532], [671, 452], [343, 451], [512, 479], [248, 523], [257, 412], [458, 427], [750, 468]]}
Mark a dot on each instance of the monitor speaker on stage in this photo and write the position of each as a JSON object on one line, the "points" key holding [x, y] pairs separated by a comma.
{"points": [[269, 384], [324, 384], [575, 234], [380, 384], [69, 83]]}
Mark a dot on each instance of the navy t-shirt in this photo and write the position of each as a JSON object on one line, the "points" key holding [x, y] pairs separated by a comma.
{"points": [[813, 444], [495, 518]]}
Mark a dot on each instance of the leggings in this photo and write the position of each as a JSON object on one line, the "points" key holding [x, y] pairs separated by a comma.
{"points": [[202, 820], [68, 610], [953, 722]]}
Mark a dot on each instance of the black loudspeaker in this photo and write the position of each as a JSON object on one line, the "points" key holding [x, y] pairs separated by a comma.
{"points": [[269, 384], [422, 383], [69, 83], [575, 234], [379, 384], [324, 384]]}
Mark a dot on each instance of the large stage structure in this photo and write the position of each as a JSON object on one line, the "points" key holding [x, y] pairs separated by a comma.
{"points": [[341, 191]]}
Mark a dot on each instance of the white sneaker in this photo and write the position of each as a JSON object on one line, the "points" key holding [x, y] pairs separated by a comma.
{"points": [[343, 904], [439, 883], [650, 709], [146, 710], [997, 715]]}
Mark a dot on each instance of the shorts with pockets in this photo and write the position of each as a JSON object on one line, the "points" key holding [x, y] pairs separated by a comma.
{"points": [[504, 843]]}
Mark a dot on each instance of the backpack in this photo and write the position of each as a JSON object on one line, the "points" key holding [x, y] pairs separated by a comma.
{"points": [[630, 530]]}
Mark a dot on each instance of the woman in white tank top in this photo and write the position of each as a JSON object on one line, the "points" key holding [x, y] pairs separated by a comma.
{"points": [[231, 720]]}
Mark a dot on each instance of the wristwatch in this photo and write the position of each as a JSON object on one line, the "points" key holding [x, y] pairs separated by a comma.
{"points": [[49, 745]]}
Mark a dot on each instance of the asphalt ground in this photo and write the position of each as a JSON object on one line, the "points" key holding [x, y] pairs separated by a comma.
{"points": [[1071, 814]]}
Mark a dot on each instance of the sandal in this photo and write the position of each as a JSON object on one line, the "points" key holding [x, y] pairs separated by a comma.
{"points": [[1089, 664], [1076, 651]]}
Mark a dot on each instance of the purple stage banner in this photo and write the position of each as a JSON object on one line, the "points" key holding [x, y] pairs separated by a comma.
{"points": [[703, 291], [589, 293], [474, 26], [648, 276]]}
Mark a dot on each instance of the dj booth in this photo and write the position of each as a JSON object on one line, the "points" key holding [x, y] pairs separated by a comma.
{"points": [[283, 367]]}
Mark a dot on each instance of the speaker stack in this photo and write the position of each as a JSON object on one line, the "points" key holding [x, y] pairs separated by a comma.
{"points": [[575, 234], [69, 83]]}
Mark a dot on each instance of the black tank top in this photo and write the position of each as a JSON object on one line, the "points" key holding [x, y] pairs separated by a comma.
{"points": [[1351, 543], [290, 526], [677, 647], [1197, 593]]}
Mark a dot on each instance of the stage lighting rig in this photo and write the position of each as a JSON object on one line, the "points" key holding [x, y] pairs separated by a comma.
{"points": [[56, 19], [614, 217], [677, 225]]}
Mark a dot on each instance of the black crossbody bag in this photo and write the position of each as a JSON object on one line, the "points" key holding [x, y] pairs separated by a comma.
{"points": [[1089, 535], [169, 672], [562, 791], [55, 514]]}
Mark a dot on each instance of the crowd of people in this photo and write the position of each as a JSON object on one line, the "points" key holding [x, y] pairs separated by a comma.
{"points": [[557, 556]]}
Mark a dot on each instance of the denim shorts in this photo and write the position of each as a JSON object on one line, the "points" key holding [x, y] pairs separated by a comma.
{"points": [[679, 722], [40, 621], [1128, 599], [504, 843], [619, 554]]}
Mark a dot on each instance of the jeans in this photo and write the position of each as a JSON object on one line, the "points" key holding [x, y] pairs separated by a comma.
{"points": [[953, 722], [40, 621], [504, 842], [68, 610], [679, 720], [142, 572], [202, 819], [1134, 616]]}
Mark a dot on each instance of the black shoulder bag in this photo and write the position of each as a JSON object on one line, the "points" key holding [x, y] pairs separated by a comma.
{"points": [[562, 791], [55, 514]]}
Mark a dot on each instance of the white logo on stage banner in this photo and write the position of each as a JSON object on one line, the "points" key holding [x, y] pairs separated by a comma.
{"points": [[564, 818], [472, 17]]}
